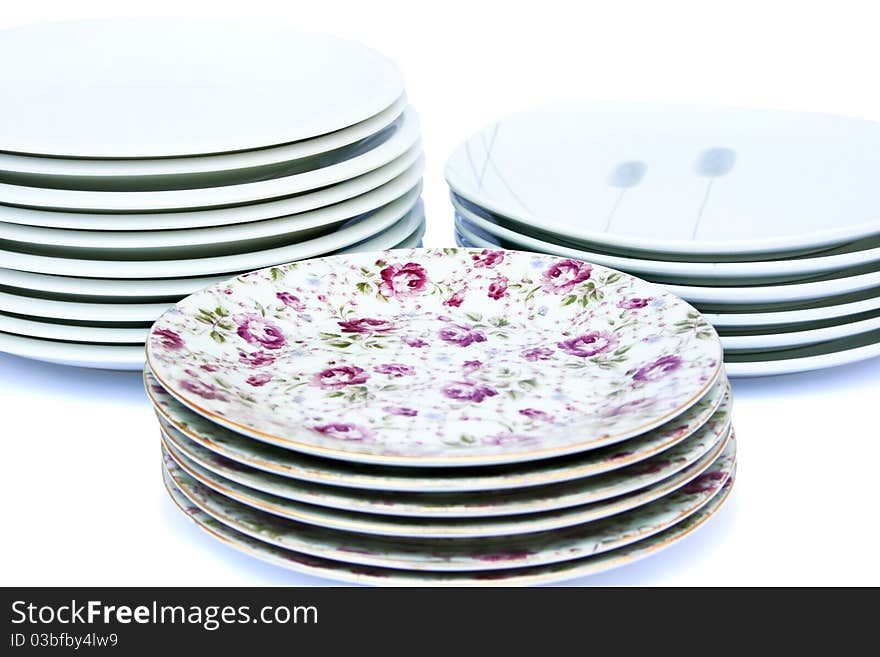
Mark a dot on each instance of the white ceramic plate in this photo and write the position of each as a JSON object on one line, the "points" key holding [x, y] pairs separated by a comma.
{"points": [[175, 166], [129, 289], [36, 328], [679, 179], [371, 341], [832, 353], [348, 235], [358, 574], [815, 288], [852, 255], [762, 339], [99, 356], [402, 138], [282, 229], [166, 89], [217, 216]]}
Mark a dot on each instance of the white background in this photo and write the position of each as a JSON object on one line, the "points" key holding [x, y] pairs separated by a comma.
{"points": [[80, 486]]}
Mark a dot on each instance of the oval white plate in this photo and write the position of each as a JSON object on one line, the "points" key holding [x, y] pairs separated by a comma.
{"points": [[166, 89], [759, 340], [217, 216], [404, 137], [849, 256], [823, 286], [346, 236], [111, 168], [283, 227], [842, 351], [99, 356], [72, 332], [680, 179]]}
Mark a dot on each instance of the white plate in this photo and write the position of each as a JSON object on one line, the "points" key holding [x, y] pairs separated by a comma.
{"points": [[818, 287], [346, 236], [678, 179], [111, 168], [848, 256], [99, 356], [283, 228], [804, 359], [810, 311], [71, 332], [403, 137], [165, 91], [216, 216], [804, 336]]}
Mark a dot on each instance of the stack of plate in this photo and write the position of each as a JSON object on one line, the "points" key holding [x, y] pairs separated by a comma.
{"points": [[768, 222], [143, 160], [443, 416]]}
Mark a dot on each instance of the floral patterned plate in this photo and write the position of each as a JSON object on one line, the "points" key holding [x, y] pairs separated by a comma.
{"points": [[436, 357], [428, 527], [270, 492], [287, 463], [460, 554], [355, 574]]}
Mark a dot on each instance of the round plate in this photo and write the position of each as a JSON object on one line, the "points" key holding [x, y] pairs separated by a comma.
{"points": [[241, 160], [72, 332], [351, 233], [77, 354], [287, 463], [215, 216], [677, 179], [803, 359], [823, 309], [803, 334], [295, 499], [149, 101], [401, 139], [296, 227], [480, 554], [851, 255], [492, 348], [855, 280]]}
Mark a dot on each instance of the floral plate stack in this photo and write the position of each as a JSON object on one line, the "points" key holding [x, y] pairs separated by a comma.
{"points": [[197, 151], [442, 416], [766, 221]]}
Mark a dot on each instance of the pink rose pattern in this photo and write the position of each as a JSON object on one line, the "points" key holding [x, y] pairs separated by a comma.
{"points": [[414, 334]]}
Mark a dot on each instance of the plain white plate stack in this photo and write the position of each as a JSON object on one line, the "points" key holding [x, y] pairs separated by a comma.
{"points": [[141, 160], [768, 222]]}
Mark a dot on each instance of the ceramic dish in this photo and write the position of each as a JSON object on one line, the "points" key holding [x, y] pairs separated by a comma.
{"points": [[183, 219], [171, 289], [832, 353], [452, 345], [823, 309], [292, 498], [497, 573], [859, 253], [77, 354], [297, 227], [289, 86], [821, 286], [80, 311], [271, 459], [480, 527], [480, 554], [743, 338], [35, 328], [679, 179], [403, 138], [181, 166], [350, 233], [391, 577]]}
